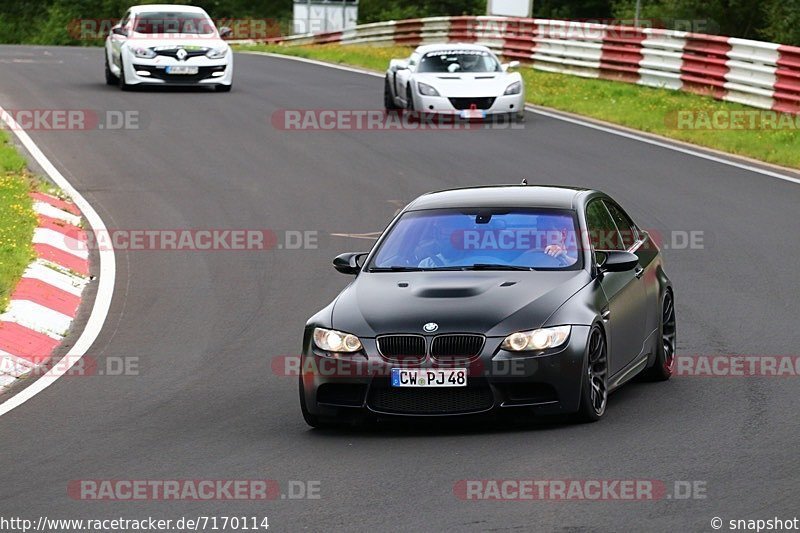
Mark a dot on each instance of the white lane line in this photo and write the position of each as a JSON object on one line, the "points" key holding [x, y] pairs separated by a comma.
{"points": [[107, 269], [729, 160]]}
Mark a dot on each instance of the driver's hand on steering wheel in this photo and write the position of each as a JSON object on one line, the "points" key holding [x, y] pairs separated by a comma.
{"points": [[555, 250]]}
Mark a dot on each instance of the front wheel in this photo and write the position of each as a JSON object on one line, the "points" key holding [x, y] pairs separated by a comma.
{"points": [[388, 100], [123, 84], [111, 79], [223, 88], [664, 365], [594, 389]]}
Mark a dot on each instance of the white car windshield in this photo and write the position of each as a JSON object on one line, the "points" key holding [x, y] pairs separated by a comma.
{"points": [[173, 22], [456, 61]]}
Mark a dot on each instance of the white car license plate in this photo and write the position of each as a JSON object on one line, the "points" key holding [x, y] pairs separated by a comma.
{"points": [[449, 377], [182, 70], [473, 113]]}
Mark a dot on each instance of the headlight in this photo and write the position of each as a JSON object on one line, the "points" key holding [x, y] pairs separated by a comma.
{"points": [[147, 53], [537, 339], [217, 53], [335, 341], [426, 90], [514, 88]]}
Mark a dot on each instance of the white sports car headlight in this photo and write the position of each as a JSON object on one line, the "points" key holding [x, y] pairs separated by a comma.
{"points": [[514, 88], [217, 53], [426, 90], [331, 340], [537, 339], [146, 53]]}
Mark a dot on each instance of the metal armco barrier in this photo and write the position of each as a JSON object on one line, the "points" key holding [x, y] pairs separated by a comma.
{"points": [[754, 73]]}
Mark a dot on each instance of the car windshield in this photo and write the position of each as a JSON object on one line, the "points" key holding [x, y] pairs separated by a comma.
{"points": [[173, 22], [455, 61], [480, 239]]}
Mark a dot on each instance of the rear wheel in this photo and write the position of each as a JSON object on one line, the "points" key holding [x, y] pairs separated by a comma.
{"points": [[111, 79], [664, 365], [594, 391]]}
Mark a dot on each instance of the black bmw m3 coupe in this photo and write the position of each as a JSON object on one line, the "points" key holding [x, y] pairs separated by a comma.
{"points": [[539, 299]]}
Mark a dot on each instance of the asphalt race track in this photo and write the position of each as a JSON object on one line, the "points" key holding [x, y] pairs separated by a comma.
{"points": [[205, 327]]}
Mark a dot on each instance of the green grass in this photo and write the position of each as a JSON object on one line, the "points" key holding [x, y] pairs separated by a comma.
{"points": [[642, 108], [17, 218]]}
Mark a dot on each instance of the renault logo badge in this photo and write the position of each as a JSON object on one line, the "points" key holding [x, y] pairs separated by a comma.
{"points": [[181, 54], [430, 327]]}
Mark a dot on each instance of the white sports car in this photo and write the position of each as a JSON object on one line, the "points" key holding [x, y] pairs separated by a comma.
{"points": [[168, 45], [465, 80]]}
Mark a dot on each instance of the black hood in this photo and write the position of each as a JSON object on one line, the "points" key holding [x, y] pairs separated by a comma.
{"points": [[490, 303]]}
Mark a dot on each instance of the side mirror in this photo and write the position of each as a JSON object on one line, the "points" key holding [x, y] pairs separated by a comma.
{"points": [[225, 32], [119, 31], [617, 261], [512, 64], [348, 263], [398, 64]]}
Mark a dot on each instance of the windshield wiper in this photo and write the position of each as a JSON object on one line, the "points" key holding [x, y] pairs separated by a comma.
{"points": [[397, 269], [490, 266]]}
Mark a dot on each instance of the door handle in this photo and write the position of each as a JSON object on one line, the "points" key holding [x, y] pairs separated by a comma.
{"points": [[638, 272]]}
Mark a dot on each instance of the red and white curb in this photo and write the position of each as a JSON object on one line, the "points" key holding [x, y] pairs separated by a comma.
{"points": [[46, 300]]}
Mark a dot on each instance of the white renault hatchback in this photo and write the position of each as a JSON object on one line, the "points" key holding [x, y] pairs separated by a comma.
{"points": [[168, 45]]}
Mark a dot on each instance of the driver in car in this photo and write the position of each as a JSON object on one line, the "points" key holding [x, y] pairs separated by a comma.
{"points": [[446, 253]]}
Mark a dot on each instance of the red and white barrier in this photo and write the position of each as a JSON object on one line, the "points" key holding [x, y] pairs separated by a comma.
{"points": [[754, 73]]}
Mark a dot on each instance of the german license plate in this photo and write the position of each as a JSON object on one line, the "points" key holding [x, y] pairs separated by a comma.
{"points": [[429, 377], [182, 70], [473, 113]]}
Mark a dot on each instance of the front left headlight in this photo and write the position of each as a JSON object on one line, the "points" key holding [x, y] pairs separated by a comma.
{"points": [[426, 90], [146, 53], [331, 340], [514, 88], [217, 53], [537, 339]]}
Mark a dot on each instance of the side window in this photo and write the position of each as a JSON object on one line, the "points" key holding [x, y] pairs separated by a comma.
{"points": [[413, 60], [602, 231], [625, 225]]}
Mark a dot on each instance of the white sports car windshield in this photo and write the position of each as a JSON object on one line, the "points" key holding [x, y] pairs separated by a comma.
{"points": [[172, 22], [481, 239], [456, 61]]}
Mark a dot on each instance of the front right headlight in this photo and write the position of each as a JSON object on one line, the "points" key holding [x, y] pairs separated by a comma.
{"points": [[426, 90], [331, 340], [146, 53], [537, 339], [217, 53]]}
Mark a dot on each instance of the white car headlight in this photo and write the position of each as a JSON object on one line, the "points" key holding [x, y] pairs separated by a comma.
{"points": [[537, 339], [514, 88], [426, 90], [217, 53], [331, 340], [146, 53]]}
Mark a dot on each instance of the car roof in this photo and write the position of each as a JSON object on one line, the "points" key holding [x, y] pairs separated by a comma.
{"points": [[166, 8], [425, 48], [547, 196]]}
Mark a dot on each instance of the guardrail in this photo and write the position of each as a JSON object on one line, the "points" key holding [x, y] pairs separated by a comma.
{"points": [[754, 73]]}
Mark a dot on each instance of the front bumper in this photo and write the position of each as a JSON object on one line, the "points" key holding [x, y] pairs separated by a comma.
{"points": [[488, 106], [360, 384], [153, 71]]}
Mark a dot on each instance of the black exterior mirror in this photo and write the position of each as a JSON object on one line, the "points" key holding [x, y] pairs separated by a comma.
{"points": [[348, 263], [617, 261], [225, 32], [119, 31]]}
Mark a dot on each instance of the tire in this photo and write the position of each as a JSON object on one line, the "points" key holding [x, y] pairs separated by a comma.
{"points": [[121, 80], [111, 79], [223, 88], [388, 100], [594, 385], [664, 365], [409, 100]]}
